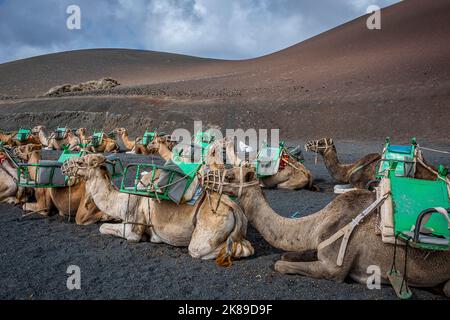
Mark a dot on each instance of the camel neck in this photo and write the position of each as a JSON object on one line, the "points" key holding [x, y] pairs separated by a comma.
{"points": [[164, 152], [43, 138], [283, 233], [126, 140], [106, 198], [337, 170]]}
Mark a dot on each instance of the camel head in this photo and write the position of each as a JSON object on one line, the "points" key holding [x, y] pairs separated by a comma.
{"points": [[24, 152], [319, 146], [82, 168], [121, 131], [232, 182], [38, 129], [81, 132], [159, 141]]}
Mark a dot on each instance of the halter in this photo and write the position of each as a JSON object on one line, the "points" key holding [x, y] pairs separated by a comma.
{"points": [[214, 181], [315, 144]]}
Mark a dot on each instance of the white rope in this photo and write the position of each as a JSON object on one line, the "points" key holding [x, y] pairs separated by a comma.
{"points": [[435, 150]]}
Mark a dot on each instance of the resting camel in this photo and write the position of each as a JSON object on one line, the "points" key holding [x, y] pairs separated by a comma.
{"points": [[52, 143], [207, 234], [8, 178], [360, 173], [107, 145], [302, 236], [10, 139], [293, 176], [123, 138], [82, 135], [85, 211]]}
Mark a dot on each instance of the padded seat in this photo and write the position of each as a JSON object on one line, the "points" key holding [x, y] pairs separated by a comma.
{"points": [[400, 149], [50, 173]]}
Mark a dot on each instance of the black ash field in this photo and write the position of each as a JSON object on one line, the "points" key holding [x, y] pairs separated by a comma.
{"points": [[35, 253]]}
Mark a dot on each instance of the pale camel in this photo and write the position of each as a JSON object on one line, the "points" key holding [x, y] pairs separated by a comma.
{"points": [[52, 142], [219, 234], [82, 135], [8, 178], [362, 172], [47, 199], [303, 236], [122, 137]]}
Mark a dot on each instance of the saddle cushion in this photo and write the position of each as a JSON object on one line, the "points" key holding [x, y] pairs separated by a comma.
{"points": [[46, 169]]}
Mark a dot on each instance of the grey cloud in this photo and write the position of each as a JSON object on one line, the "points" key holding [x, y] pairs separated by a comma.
{"points": [[230, 29]]}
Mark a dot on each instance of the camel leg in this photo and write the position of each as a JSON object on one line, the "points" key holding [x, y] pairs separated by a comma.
{"points": [[304, 256], [88, 213], [315, 269], [43, 205], [447, 289], [120, 230], [10, 200]]}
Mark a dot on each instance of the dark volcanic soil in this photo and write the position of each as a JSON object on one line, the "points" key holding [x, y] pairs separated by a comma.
{"points": [[35, 253]]}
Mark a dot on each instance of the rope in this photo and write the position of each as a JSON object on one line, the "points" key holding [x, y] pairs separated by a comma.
{"points": [[435, 150]]}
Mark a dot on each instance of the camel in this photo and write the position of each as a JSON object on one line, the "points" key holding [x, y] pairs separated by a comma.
{"points": [[123, 139], [82, 135], [10, 139], [302, 236], [69, 201], [8, 178], [293, 175], [208, 233], [7, 138], [107, 145], [52, 142], [362, 172]]}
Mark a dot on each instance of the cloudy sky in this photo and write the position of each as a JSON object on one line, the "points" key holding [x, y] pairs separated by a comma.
{"points": [[229, 29]]}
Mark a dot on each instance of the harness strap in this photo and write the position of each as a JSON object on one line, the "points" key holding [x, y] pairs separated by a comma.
{"points": [[347, 230], [353, 171]]}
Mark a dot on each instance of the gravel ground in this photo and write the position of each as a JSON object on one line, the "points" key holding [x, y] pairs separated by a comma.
{"points": [[35, 253]]}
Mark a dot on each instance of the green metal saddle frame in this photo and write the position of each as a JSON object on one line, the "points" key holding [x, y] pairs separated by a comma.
{"points": [[148, 137], [60, 133], [151, 188], [97, 139], [48, 173], [271, 154], [23, 135], [414, 201], [185, 171], [405, 155]]}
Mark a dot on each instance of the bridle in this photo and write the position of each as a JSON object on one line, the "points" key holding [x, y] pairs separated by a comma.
{"points": [[314, 144], [214, 181]]}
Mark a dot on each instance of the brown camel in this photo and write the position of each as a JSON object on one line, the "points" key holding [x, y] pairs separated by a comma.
{"points": [[107, 145], [302, 236], [82, 135], [85, 211], [123, 138], [10, 139], [219, 234], [360, 173]]}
